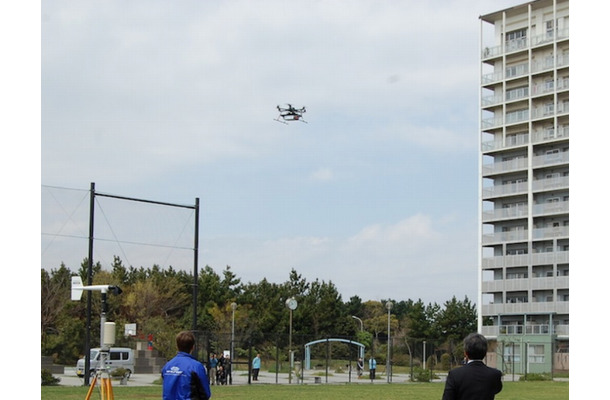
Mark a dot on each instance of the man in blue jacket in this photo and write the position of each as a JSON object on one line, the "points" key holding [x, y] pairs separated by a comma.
{"points": [[185, 378]]}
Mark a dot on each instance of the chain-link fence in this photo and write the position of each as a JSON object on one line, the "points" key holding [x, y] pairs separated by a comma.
{"points": [[309, 358]]}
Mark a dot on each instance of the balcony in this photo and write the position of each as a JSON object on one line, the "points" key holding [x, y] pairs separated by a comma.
{"points": [[553, 257], [555, 183], [551, 159], [509, 141], [549, 110], [502, 167], [501, 237], [560, 207], [504, 213], [522, 43], [517, 260], [511, 189], [497, 330], [520, 260], [548, 135], [492, 77], [551, 233], [523, 284], [491, 100], [559, 307]]}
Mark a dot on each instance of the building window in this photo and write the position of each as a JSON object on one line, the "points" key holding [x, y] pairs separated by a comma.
{"points": [[549, 29], [516, 39], [535, 353], [512, 353]]}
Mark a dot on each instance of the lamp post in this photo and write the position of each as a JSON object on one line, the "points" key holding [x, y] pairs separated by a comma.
{"points": [[361, 351], [233, 307], [291, 303], [424, 354], [388, 305], [361, 324]]}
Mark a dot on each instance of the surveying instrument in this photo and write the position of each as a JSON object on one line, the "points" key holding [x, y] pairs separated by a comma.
{"points": [[107, 338]]}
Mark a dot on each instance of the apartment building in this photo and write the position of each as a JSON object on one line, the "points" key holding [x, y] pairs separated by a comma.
{"points": [[524, 267]]}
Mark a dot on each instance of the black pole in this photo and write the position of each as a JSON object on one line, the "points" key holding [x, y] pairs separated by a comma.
{"points": [[277, 357], [327, 357], [89, 283], [249, 363], [195, 264]]}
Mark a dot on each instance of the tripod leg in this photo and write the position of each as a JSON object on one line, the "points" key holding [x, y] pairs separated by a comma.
{"points": [[110, 393], [91, 388], [103, 388]]}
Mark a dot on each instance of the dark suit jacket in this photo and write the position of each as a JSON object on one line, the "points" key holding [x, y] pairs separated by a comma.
{"points": [[473, 381]]}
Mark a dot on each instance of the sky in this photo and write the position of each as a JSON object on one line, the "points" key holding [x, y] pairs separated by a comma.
{"points": [[376, 193]]}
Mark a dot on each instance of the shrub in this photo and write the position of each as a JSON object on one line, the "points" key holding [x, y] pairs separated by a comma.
{"points": [[536, 377], [48, 379], [423, 375], [118, 373]]}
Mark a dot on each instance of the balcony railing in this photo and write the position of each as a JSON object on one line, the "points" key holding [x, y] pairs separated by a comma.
{"points": [[505, 166], [504, 213], [561, 182], [497, 330], [509, 141], [560, 207], [511, 236], [550, 233], [546, 160], [524, 284], [524, 42], [504, 190], [521, 260], [546, 135], [559, 307]]}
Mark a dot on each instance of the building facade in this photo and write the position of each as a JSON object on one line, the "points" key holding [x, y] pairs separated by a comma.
{"points": [[523, 303]]}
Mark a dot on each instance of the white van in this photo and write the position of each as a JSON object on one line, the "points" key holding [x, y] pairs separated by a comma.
{"points": [[119, 357]]}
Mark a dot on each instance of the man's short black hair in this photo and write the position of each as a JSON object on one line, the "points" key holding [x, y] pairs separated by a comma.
{"points": [[475, 346]]}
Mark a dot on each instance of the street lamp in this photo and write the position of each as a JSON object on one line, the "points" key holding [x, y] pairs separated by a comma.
{"points": [[361, 324], [424, 354], [361, 351], [233, 307], [388, 305], [291, 303]]}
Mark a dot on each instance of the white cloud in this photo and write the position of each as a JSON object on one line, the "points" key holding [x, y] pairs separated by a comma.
{"points": [[411, 258], [322, 175]]}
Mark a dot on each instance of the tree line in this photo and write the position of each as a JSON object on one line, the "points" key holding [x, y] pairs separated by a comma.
{"points": [[159, 301]]}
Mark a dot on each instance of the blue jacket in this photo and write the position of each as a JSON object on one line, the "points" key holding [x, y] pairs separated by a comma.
{"points": [[185, 378]]}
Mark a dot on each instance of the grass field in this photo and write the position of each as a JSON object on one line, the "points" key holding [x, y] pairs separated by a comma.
{"points": [[418, 391]]}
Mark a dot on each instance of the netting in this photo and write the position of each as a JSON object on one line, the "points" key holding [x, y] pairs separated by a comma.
{"points": [[140, 233]]}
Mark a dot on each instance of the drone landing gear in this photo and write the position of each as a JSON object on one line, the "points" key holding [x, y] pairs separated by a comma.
{"points": [[285, 121]]}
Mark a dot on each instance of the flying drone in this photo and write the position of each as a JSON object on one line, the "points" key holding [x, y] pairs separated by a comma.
{"points": [[290, 114]]}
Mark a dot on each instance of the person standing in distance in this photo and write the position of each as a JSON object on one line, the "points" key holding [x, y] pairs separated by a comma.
{"points": [[360, 366], [183, 376], [474, 380], [372, 368], [212, 365], [256, 367]]}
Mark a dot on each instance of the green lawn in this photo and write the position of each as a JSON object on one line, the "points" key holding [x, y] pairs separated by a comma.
{"points": [[418, 391]]}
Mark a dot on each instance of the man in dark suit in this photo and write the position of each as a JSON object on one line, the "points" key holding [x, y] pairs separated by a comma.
{"points": [[474, 380]]}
